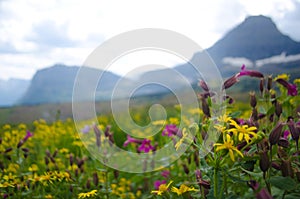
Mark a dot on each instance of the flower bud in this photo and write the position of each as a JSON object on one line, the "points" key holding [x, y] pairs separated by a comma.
{"points": [[278, 109], [275, 134], [264, 161], [116, 174], [48, 153], [261, 85], [26, 150], [107, 131], [254, 114], [205, 107], [230, 82], [253, 101], [275, 165], [269, 84], [283, 142], [95, 179], [46, 160], [294, 131], [8, 150], [71, 159], [88, 184], [203, 85], [55, 153], [185, 169], [20, 143], [286, 168]]}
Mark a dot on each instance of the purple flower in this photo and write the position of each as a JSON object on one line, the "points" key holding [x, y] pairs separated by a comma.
{"points": [[286, 133], [28, 135], [131, 140], [86, 129], [170, 130], [157, 183], [292, 88], [146, 146], [251, 73], [165, 173]]}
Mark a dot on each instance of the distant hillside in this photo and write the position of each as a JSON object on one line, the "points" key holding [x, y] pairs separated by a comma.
{"points": [[55, 85], [12, 90]]}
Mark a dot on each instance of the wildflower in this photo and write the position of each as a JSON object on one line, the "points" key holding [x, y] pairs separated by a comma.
{"points": [[146, 146], [131, 140], [28, 135], [165, 173], [157, 183], [243, 131], [269, 83], [253, 101], [294, 131], [275, 134], [286, 133], [264, 162], [282, 76], [262, 193], [250, 73], [170, 130], [292, 88], [182, 189], [162, 189], [228, 144], [33, 168], [205, 107], [230, 82], [203, 85], [261, 85], [86, 129], [88, 194], [180, 142], [297, 81]]}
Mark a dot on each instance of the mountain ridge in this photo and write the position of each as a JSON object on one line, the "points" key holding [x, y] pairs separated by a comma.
{"points": [[256, 38]]}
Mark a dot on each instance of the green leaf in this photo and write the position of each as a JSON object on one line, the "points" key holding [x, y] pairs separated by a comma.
{"points": [[252, 173], [271, 110], [235, 114], [284, 183]]}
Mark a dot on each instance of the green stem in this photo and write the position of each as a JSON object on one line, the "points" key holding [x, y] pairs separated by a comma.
{"points": [[215, 182]]}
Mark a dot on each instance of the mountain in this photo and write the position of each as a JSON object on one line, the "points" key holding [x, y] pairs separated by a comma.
{"points": [[55, 85], [255, 42], [257, 37], [11, 90]]}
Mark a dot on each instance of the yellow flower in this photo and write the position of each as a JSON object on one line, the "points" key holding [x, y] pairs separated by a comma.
{"points": [[228, 144], [88, 194], [224, 118], [297, 81], [33, 168], [182, 189], [49, 196], [162, 188], [159, 122], [282, 76], [180, 142], [243, 131]]}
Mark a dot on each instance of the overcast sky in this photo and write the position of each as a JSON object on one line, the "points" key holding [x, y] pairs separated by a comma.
{"points": [[38, 34]]}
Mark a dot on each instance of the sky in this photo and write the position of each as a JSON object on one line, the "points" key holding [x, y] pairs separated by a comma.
{"points": [[37, 34]]}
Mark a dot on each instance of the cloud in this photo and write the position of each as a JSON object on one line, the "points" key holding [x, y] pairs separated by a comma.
{"points": [[290, 22], [49, 34]]}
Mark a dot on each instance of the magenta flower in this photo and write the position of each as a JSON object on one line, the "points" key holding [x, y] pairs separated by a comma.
{"points": [[286, 133], [131, 140], [157, 183], [292, 88], [146, 146], [165, 174], [170, 130], [28, 135], [251, 73]]}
